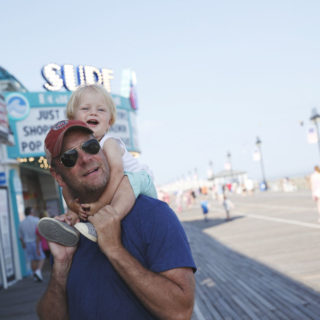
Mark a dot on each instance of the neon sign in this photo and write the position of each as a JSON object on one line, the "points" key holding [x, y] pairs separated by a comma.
{"points": [[71, 78]]}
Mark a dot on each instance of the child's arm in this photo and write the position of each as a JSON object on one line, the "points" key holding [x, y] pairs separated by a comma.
{"points": [[124, 198], [113, 153]]}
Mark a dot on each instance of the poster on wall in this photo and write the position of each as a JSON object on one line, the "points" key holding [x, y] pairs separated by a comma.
{"points": [[6, 240]]}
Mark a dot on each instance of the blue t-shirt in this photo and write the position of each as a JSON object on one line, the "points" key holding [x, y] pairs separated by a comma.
{"points": [[152, 234]]}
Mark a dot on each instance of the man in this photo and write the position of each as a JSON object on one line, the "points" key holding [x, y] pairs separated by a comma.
{"points": [[28, 238], [140, 268]]}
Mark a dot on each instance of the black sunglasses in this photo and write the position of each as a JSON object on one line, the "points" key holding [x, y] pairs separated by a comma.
{"points": [[69, 157]]}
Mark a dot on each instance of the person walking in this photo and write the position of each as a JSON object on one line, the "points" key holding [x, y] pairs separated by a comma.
{"points": [[28, 238], [315, 188], [205, 209]]}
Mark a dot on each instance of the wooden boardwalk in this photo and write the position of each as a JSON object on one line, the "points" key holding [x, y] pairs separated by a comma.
{"points": [[263, 264], [238, 276], [233, 286], [19, 301]]}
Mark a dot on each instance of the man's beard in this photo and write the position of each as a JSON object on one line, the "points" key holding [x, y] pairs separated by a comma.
{"points": [[86, 192]]}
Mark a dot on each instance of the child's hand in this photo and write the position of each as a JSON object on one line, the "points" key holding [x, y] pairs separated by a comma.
{"points": [[83, 212], [90, 208], [74, 205]]}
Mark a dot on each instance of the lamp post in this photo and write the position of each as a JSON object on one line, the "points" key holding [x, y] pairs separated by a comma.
{"points": [[258, 144], [314, 118], [210, 171], [230, 165]]}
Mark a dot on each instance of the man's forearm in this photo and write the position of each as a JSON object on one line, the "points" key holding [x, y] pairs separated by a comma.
{"points": [[168, 295], [53, 304]]}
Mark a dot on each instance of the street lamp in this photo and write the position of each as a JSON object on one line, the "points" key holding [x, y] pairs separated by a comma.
{"points": [[314, 118], [229, 164], [264, 182], [210, 171]]}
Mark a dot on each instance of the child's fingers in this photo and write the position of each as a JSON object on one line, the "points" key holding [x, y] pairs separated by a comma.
{"points": [[85, 207], [83, 217], [83, 214]]}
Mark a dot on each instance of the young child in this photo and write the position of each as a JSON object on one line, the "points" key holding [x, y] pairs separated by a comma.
{"points": [[94, 106]]}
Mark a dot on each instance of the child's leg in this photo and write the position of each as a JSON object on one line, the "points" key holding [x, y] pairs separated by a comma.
{"points": [[142, 183]]}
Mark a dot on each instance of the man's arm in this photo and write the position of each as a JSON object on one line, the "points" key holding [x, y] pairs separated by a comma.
{"points": [[168, 295], [53, 304]]}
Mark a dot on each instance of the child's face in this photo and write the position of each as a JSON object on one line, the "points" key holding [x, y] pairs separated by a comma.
{"points": [[92, 110]]}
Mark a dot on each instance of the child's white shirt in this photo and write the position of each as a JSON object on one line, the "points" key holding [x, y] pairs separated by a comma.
{"points": [[130, 163]]}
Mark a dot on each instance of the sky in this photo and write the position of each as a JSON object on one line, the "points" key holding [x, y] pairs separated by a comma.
{"points": [[211, 75]]}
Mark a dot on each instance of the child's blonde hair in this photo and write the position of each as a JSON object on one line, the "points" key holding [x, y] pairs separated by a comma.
{"points": [[74, 101]]}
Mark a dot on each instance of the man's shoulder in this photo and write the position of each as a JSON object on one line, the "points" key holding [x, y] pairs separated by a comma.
{"points": [[147, 203], [150, 211]]}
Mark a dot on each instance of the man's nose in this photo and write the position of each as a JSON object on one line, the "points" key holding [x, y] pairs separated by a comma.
{"points": [[84, 157]]}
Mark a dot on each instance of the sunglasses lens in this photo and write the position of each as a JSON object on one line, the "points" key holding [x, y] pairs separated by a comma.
{"points": [[91, 146], [69, 158]]}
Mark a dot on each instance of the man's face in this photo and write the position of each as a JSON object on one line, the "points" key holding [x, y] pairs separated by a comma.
{"points": [[90, 174]]}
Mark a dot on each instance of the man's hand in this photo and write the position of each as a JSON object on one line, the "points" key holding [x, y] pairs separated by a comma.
{"points": [[107, 223], [61, 254], [71, 218], [53, 304]]}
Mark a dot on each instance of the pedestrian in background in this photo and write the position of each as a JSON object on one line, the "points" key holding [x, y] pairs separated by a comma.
{"points": [[227, 205], [315, 188], [28, 238], [205, 210], [42, 243]]}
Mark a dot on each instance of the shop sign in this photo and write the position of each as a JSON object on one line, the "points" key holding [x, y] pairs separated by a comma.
{"points": [[18, 106], [121, 127], [69, 77], [41, 110], [33, 130]]}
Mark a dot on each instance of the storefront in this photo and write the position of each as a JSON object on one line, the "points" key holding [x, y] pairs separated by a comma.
{"points": [[25, 172], [7, 236]]}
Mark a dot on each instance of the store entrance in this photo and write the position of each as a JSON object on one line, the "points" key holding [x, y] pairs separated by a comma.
{"points": [[40, 191]]}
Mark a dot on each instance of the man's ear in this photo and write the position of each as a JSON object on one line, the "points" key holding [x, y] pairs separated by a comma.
{"points": [[57, 177]]}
